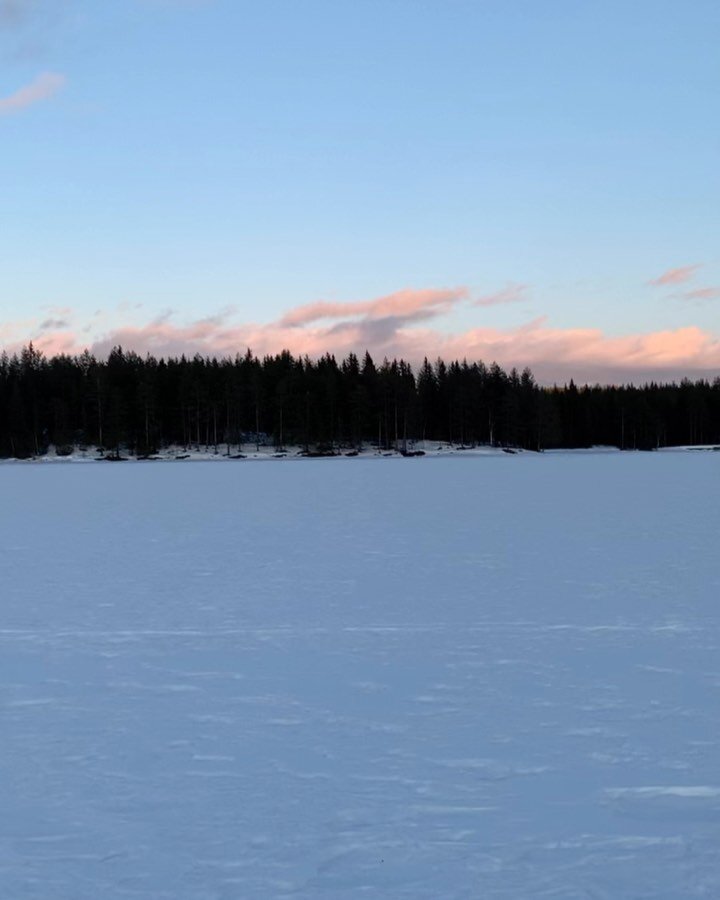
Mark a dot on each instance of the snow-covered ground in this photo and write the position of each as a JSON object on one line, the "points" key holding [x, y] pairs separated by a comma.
{"points": [[202, 453], [441, 678], [221, 453]]}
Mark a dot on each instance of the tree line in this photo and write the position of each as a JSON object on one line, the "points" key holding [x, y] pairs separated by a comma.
{"points": [[138, 405]]}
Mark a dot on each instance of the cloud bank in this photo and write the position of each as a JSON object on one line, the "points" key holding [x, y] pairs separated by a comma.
{"points": [[404, 324]]}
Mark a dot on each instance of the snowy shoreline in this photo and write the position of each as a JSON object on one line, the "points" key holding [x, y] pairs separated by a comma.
{"points": [[419, 449]]}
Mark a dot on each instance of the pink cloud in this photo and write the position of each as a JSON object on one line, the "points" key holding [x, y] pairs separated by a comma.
{"points": [[407, 304], [553, 353], [43, 87], [56, 343], [513, 293], [675, 276], [397, 326]]}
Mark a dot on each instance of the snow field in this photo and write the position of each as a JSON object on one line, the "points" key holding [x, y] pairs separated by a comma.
{"points": [[442, 678]]}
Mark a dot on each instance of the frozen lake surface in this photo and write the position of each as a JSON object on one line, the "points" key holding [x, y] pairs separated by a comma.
{"points": [[437, 678]]}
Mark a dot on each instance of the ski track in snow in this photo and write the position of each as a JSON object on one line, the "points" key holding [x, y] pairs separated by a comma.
{"points": [[493, 678]]}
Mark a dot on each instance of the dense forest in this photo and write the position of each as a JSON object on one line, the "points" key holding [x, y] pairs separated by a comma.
{"points": [[130, 404]]}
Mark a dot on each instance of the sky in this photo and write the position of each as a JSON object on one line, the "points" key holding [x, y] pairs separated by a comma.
{"points": [[535, 182]]}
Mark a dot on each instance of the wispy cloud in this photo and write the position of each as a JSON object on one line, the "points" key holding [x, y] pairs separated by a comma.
{"points": [[41, 88], [407, 305], [513, 293], [14, 12], [33, 27], [18, 13], [398, 325], [680, 275], [175, 4], [53, 325], [703, 293]]}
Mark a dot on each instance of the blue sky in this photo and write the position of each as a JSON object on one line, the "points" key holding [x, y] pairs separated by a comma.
{"points": [[169, 161]]}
